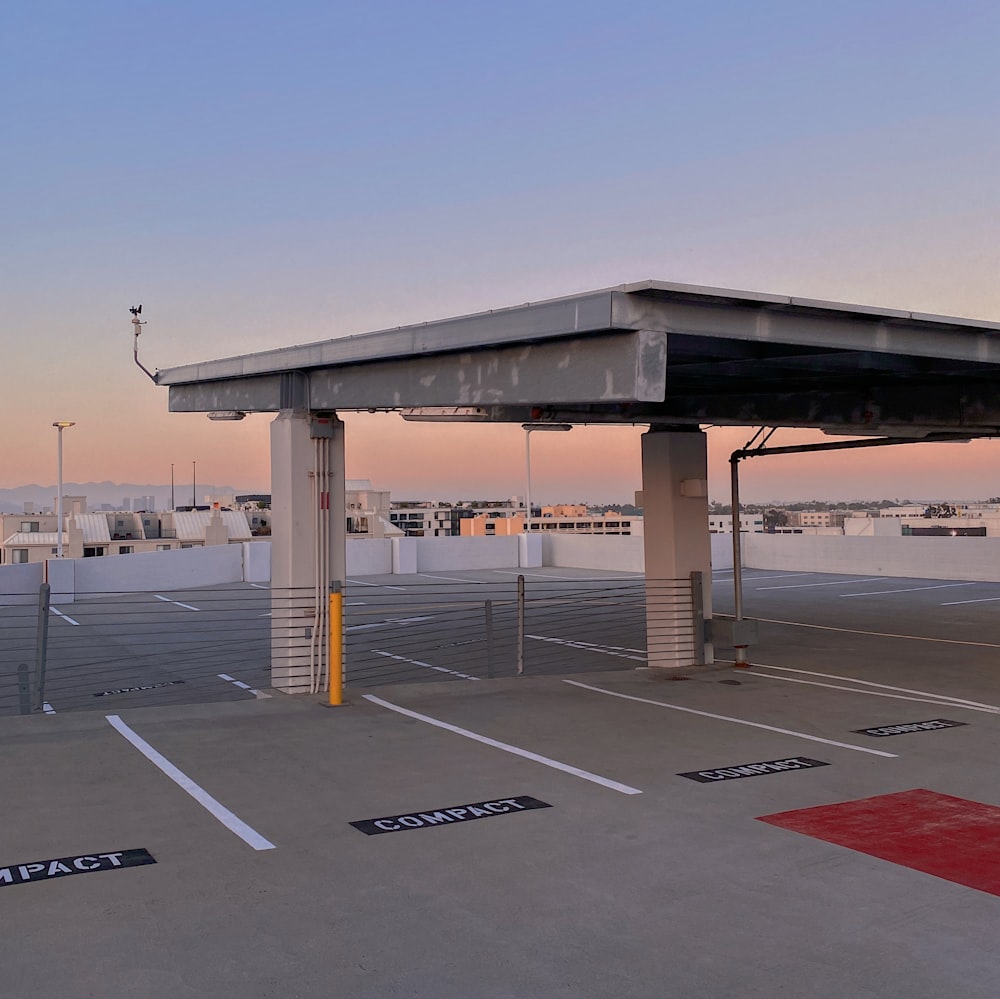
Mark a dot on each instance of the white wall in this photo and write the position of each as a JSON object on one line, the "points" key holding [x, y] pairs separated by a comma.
{"points": [[19, 583], [369, 556], [436, 554], [257, 561], [722, 550], [593, 551], [919, 558], [146, 571]]}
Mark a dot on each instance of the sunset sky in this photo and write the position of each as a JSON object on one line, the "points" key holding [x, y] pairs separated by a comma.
{"points": [[262, 174]]}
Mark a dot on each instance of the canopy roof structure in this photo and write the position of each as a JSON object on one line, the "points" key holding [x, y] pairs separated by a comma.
{"points": [[651, 352]]}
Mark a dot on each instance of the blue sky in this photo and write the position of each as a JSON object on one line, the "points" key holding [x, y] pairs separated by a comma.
{"points": [[264, 174]]}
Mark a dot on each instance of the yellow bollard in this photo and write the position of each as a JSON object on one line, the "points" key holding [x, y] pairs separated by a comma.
{"points": [[336, 650]]}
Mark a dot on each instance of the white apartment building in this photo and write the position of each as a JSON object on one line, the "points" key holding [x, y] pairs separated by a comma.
{"points": [[512, 522], [722, 523], [35, 538]]}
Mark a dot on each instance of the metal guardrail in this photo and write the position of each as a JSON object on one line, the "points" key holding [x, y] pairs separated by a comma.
{"points": [[520, 628], [235, 640]]}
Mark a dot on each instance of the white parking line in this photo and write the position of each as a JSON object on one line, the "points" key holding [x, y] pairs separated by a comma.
{"points": [[65, 617], [242, 685], [958, 701], [232, 822], [737, 721], [179, 604], [386, 586], [873, 634], [835, 582], [981, 600], [417, 662], [260, 586], [389, 621], [876, 693], [908, 589], [453, 579], [574, 579], [606, 650], [780, 575], [507, 748]]}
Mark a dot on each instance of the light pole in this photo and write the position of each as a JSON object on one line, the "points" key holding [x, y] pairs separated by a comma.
{"points": [[60, 426], [528, 428]]}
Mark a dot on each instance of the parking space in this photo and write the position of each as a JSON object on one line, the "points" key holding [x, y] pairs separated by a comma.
{"points": [[603, 887], [680, 844]]}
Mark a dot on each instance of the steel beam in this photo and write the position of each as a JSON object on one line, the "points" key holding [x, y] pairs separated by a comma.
{"points": [[600, 369]]}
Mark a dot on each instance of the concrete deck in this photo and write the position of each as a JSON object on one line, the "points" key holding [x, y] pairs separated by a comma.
{"points": [[675, 891]]}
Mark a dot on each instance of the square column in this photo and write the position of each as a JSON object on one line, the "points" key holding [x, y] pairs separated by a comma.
{"points": [[676, 543], [308, 545]]}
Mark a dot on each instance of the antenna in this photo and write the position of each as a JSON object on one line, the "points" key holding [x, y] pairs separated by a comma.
{"points": [[137, 325]]}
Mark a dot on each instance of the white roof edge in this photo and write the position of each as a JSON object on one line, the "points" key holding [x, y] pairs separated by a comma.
{"points": [[354, 348]]}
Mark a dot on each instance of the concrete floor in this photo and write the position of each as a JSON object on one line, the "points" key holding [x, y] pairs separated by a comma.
{"points": [[675, 891]]}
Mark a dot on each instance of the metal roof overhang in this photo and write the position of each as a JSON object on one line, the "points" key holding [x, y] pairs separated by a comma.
{"points": [[652, 352]]}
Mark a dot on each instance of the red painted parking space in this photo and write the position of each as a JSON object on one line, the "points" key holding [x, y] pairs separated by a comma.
{"points": [[938, 834]]}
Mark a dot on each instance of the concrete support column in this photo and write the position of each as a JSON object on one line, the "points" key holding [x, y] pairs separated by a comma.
{"points": [[676, 543], [308, 545]]}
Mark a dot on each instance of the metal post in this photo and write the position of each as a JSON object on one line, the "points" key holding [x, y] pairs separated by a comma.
{"points": [[527, 482], [336, 656], [698, 617], [520, 625], [489, 638], [59, 502], [42, 643], [24, 689], [740, 650]]}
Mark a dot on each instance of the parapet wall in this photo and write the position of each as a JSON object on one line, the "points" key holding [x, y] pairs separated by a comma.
{"points": [[919, 558], [922, 558]]}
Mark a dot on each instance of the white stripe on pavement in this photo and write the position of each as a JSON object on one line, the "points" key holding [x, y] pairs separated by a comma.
{"points": [[453, 579], [873, 634], [179, 604], [737, 721], [242, 685], [835, 582], [389, 621], [960, 701], [386, 586], [980, 600], [875, 693], [65, 617], [232, 822], [908, 589], [507, 748], [417, 662], [588, 647], [780, 575]]}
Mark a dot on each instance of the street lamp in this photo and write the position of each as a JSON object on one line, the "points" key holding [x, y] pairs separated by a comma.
{"points": [[60, 425], [528, 428]]}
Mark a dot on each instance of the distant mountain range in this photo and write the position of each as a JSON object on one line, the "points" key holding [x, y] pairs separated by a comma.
{"points": [[13, 500]]}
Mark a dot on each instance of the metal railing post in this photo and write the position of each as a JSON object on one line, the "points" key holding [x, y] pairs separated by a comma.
{"points": [[489, 637], [42, 643], [520, 625], [698, 617]]}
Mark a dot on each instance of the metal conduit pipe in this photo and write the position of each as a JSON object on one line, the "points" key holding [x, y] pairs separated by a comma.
{"points": [[760, 449]]}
